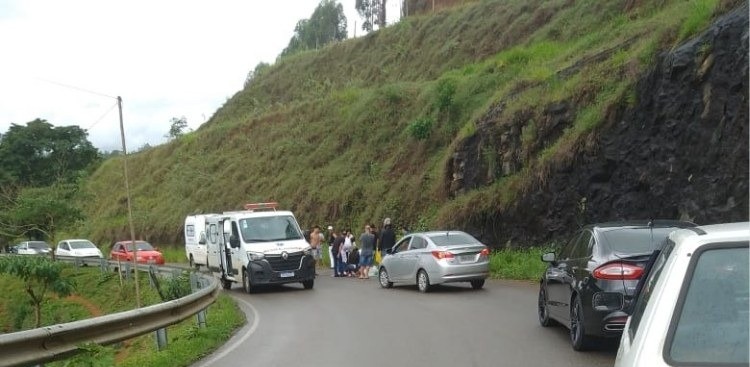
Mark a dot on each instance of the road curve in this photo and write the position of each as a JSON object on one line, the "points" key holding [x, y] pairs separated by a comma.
{"points": [[350, 322]]}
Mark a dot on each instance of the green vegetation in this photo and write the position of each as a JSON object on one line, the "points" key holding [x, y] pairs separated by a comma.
{"points": [[367, 128], [98, 293], [38, 275], [520, 264]]}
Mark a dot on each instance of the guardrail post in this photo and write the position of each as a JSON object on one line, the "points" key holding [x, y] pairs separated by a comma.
{"points": [[161, 338], [152, 274], [127, 271], [196, 283]]}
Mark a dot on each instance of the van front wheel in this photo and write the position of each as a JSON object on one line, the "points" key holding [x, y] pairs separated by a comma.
{"points": [[246, 282]]}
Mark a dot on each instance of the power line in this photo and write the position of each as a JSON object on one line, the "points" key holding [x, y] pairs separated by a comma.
{"points": [[76, 88], [102, 116]]}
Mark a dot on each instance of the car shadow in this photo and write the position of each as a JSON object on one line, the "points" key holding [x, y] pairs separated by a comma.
{"points": [[441, 288], [603, 346]]}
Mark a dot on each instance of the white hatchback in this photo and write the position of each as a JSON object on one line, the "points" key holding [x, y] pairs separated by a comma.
{"points": [[78, 248], [693, 307]]}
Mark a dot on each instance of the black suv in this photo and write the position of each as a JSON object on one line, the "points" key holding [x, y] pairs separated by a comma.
{"points": [[589, 284]]}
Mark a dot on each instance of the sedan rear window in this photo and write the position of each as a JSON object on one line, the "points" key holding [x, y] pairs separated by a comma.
{"points": [[38, 245], [142, 246], [82, 244], [451, 238], [710, 325], [631, 241]]}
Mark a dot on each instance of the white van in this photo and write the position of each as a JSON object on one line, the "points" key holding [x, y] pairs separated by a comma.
{"points": [[257, 246], [195, 240]]}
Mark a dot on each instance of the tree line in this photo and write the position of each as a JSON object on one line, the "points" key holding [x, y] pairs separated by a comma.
{"points": [[41, 167]]}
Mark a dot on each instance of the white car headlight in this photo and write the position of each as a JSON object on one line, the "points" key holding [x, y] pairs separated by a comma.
{"points": [[255, 256]]}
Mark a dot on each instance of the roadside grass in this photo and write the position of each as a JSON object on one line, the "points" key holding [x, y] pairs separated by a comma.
{"points": [[173, 254], [518, 264], [99, 293]]}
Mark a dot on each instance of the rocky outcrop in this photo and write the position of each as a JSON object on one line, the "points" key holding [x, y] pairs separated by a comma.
{"points": [[680, 152]]}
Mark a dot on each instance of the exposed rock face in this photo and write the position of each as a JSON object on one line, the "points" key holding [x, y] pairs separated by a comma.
{"points": [[680, 153]]}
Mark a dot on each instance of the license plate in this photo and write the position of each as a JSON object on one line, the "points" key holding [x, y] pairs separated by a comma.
{"points": [[467, 258], [287, 274]]}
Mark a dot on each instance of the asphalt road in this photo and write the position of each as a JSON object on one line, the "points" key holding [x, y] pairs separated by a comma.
{"points": [[351, 322]]}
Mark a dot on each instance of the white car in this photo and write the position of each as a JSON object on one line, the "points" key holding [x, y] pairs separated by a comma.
{"points": [[32, 248], [78, 248], [693, 307]]}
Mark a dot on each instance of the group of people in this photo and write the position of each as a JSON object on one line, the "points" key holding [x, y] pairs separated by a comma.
{"points": [[351, 257]]}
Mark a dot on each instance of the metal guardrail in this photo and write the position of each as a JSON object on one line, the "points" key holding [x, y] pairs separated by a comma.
{"points": [[54, 342]]}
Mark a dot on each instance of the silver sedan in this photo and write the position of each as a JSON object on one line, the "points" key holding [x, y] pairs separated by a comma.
{"points": [[430, 258]]}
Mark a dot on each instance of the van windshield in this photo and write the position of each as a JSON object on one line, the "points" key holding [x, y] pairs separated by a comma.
{"points": [[267, 229]]}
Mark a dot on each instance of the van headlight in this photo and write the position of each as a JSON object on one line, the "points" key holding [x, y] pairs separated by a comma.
{"points": [[255, 256]]}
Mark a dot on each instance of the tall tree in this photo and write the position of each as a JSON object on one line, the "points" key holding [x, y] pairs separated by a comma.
{"points": [[372, 13], [39, 154], [327, 24], [37, 212]]}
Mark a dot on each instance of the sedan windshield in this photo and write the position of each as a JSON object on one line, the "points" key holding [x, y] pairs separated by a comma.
{"points": [[142, 246], [453, 238], [78, 245], [635, 241], [265, 229]]}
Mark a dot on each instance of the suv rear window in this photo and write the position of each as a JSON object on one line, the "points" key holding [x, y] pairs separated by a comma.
{"points": [[710, 324], [631, 241]]}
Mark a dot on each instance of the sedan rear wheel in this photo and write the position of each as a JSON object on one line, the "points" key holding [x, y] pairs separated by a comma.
{"points": [[477, 284], [423, 281], [578, 338], [383, 278]]}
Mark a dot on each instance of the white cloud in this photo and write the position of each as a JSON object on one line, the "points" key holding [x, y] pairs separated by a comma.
{"points": [[166, 59]]}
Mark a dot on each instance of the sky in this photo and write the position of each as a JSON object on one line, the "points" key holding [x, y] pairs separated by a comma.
{"points": [[67, 61]]}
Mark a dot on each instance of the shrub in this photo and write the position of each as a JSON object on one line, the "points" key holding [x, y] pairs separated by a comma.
{"points": [[420, 128]]}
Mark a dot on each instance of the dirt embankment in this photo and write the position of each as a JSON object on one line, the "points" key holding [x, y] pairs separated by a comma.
{"points": [[680, 152]]}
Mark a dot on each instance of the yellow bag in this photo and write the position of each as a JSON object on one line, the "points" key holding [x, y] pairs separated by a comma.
{"points": [[378, 258]]}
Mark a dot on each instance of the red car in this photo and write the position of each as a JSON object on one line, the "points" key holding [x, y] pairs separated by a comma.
{"points": [[147, 254]]}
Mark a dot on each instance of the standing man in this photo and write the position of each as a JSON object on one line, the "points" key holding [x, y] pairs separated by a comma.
{"points": [[387, 237], [331, 238], [367, 242], [315, 244], [338, 265]]}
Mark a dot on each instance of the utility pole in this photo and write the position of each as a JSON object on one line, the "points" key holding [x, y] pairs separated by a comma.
{"points": [[130, 211]]}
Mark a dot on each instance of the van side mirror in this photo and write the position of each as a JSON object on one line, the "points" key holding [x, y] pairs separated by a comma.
{"points": [[234, 242], [548, 257]]}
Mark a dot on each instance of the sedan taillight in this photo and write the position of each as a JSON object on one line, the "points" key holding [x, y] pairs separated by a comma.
{"points": [[442, 255], [618, 271], [485, 252]]}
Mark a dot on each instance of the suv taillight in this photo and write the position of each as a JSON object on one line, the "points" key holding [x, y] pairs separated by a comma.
{"points": [[618, 271]]}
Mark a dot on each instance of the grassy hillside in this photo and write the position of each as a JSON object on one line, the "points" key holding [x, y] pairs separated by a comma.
{"points": [[369, 128]]}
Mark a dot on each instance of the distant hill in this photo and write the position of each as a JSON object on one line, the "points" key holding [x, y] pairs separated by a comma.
{"points": [[516, 120]]}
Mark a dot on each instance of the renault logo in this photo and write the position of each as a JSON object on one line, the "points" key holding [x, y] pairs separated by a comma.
{"points": [[284, 255]]}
